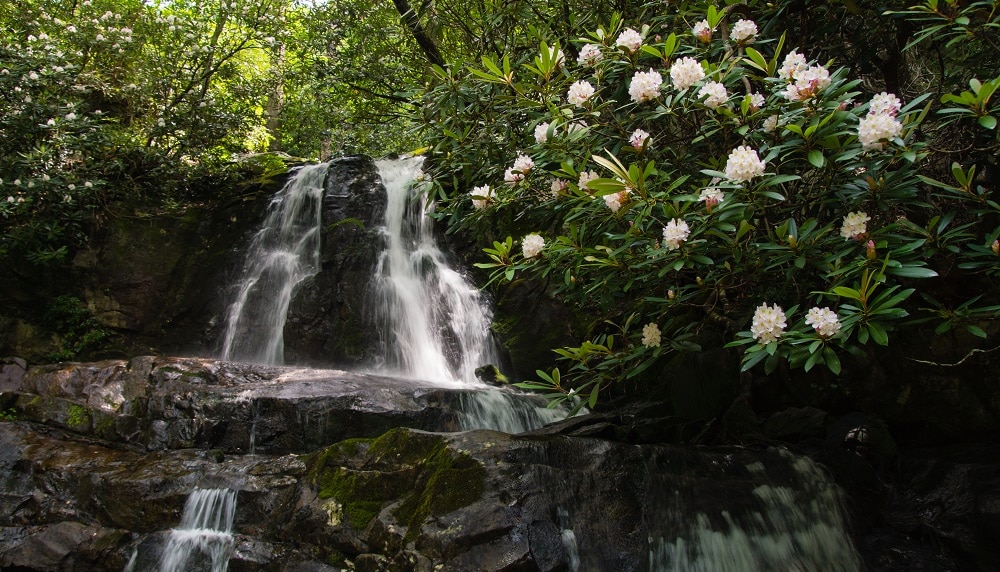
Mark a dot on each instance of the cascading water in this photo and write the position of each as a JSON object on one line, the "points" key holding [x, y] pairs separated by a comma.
{"points": [[205, 532], [435, 322], [284, 252]]}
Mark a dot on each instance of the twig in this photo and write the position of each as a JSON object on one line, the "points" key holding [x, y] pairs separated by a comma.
{"points": [[959, 362]]}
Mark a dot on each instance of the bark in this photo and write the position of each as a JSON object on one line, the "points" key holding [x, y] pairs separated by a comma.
{"points": [[412, 23]]}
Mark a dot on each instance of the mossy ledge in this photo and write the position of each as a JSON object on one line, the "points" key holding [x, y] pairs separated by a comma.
{"points": [[414, 470]]}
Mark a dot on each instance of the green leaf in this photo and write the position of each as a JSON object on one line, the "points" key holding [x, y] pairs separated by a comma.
{"points": [[988, 121], [879, 334], [911, 272], [976, 331], [816, 158], [832, 361]]}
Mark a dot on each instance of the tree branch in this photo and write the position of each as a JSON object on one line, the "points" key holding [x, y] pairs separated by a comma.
{"points": [[426, 44]]}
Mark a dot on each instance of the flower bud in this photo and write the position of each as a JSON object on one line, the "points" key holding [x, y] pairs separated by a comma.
{"points": [[870, 250], [996, 247], [791, 241], [670, 294]]}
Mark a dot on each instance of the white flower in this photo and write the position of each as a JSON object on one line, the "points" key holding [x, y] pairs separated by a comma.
{"points": [[824, 321], [71, 186], [794, 62], [580, 92], [614, 201], [45, 177], [768, 323], [481, 196], [674, 233], [756, 100], [629, 39], [585, 178], [70, 116], [711, 196], [716, 92], [702, 31], [160, 122], [558, 186], [512, 176], [590, 55], [638, 138], [51, 121], [32, 76], [854, 225], [770, 124], [686, 72], [808, 82], [89, 185], [743, 164], [10, 199], [877, 128], [645, 86], [523, 164], [541, 133], [884, 103], [531, 245], [651, 335], [744, 31]]}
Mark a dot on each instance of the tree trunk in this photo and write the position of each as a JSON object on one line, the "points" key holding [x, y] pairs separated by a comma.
{"points": [[412, 23]]}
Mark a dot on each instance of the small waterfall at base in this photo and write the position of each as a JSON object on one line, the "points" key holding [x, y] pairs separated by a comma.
{"points": [[435, 321], [205, 533], [796, 527], [284, 252]]}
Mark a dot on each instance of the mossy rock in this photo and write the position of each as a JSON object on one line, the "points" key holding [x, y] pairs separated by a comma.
{"points": [[413, 471]]}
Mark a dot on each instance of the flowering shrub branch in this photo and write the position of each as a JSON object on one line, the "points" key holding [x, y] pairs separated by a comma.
{"points": [[676, 183]]}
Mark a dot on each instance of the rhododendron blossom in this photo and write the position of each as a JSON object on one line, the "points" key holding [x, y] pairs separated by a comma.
{"points": [[756, 100], [590, 55], [716, 94], [630, 40], [585, 178], [674, 233], [743, 164], [711, 196], [638, 138], [794, 62], [875, 129], [702, 31], [523, 164], [807, 83], [531, 245], [854, 225], [651, 335], [768, 323], [645, 86], [614, 201], [744, 31], [886, 103], [686, 72], [558, 186], [481, 196], [824, 321], [542, 133], [580, 92]]}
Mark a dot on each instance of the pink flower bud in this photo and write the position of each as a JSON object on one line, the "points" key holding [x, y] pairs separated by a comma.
{"points": [[996, 247], [870, 250], [670, 294]]}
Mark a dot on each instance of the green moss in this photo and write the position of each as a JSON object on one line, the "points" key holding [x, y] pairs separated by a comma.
{"points": [[78, 417], [412, 468]]}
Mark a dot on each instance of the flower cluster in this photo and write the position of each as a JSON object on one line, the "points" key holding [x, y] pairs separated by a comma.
{"points": [[855, 225], [743, 164], [614, 201], [711, 197], [586, 177], [674, 233], [824, 321], [580, 92], [645, 86], [716, 94], [702, 31], [651, 335], [880, 125], [768, 323], [805, 81], [590, 54], [542, 133], [638, 138], [686, 72], [481, 196], [630, 40], [532, 244], [744, 31], [522, 165]]}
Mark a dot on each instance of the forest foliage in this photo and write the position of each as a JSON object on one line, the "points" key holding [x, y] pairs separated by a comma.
{"points": [[802, 180]]}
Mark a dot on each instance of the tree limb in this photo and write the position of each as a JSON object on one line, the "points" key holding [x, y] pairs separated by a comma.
{"points": [[426, 44]]}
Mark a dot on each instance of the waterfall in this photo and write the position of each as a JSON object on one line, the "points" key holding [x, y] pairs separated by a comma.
{"points": [[436, 323], [284, 252], [796, 526], [204, 532]]}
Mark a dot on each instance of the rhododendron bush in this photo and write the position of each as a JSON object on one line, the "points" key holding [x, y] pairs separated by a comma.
{"points": [[685, 175]]}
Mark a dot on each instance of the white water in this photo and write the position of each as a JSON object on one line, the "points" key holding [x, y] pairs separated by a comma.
{"points": [[284, 252], [796, 529], [205, 531], [435, 322]]}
